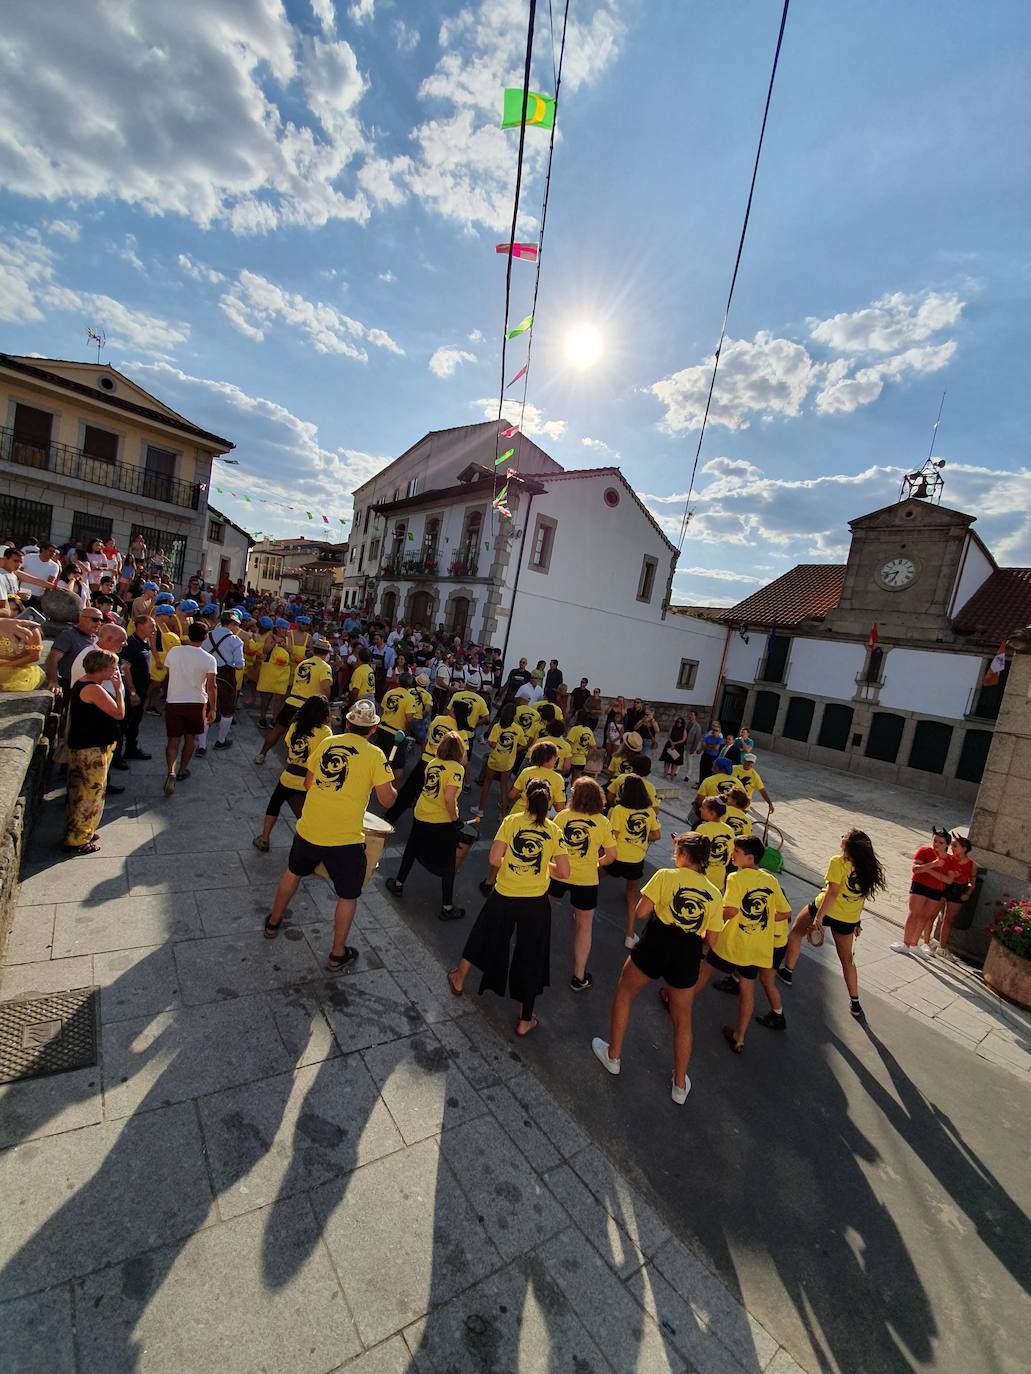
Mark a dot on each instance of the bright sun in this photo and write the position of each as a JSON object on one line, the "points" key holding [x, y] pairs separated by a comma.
{"points": [[583, 346]]}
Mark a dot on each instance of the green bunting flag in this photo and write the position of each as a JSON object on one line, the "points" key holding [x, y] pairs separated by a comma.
{"points": [[520, 328], [540, 109], [220, 490], [504, 457], [309, 515]]}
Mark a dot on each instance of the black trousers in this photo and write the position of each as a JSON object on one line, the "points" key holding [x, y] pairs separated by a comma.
{"points": [[435, 847], [284, 794], [130, 741], [408, 794]]}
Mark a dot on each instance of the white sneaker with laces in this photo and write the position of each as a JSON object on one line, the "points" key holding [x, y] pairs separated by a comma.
{"points": [[925, 952], [601, 1051], [898, 947], [679, 1095]]}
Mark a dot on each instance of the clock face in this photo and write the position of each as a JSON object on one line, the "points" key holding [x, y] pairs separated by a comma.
{"points": [[897, 573]]}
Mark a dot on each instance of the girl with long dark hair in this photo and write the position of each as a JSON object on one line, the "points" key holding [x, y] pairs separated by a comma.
{"points": [[505, 740], [852, 877], [304, 735], [526, 854], [634, 827], [435, 839]]}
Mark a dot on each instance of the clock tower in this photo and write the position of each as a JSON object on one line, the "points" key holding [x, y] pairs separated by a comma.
{"points": [[901, 573]]}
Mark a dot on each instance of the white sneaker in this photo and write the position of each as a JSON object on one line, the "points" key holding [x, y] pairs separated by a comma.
{"points": [[899, 948], [631, 942], [925, 951], [601, 1051], [259, 759], [679, 1095], [933, 946]]}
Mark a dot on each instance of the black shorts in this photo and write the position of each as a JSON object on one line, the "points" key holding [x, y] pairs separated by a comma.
{"points": [[922, 890], [285, 718], [666, 952], [725, 966], [838, 927], [581, 897], [954, 892], [345, 864], [620, 868], [778, 955]]}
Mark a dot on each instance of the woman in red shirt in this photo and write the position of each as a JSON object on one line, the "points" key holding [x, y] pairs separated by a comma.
{"points": [[930, 874], [960, 875]]}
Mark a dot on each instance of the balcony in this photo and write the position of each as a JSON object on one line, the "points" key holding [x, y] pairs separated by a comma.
{"points": [[65, 461], [464, 564], [410, 568]]}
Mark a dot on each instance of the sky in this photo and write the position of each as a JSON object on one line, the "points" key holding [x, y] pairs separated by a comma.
{"points": [[284, 217]]}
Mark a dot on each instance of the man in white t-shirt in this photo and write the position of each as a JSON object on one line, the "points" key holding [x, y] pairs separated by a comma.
{"points": [[189, 702], [529, 692], [42, 566]]}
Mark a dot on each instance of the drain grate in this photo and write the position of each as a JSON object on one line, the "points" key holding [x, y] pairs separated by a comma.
{"points": [[44, 1035]]}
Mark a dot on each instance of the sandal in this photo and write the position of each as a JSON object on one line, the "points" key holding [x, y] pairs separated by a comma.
{"points": [[393, 886], [730, 1035], [534, 1023], [456, 992], [90, 848], [335, 962], [272, 927], [260, 843]]}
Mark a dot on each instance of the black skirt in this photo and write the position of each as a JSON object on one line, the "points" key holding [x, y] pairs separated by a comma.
{"points": [[672, 753], [433, 844], [524, 972]]}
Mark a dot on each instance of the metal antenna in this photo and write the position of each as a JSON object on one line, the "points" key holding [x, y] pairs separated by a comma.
{"points": [[99, 339], [934, 432]]}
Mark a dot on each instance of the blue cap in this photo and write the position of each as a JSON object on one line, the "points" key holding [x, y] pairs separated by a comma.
{"points": [[722, 766], [164, 610], [303, 619], [209, 609], [282, 624], [265, 622], [189, 606], [165, 599], [150, 587]]}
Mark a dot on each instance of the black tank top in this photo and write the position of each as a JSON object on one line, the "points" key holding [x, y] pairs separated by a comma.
{"points": [[88, 726]]}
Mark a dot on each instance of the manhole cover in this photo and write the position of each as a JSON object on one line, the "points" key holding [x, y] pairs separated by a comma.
{"points": [[43, 1035]]}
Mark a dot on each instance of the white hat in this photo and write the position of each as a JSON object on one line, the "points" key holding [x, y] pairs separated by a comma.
{"points": [[633, 741], [363, 713], [422, 680]]}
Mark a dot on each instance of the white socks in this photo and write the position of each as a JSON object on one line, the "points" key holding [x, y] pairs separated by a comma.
{"points": [[224, 726]]}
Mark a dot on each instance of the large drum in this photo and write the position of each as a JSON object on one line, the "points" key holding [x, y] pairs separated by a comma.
{"points": [[377, 832]]}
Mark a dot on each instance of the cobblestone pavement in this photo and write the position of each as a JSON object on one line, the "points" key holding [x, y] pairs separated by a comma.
{"points": [[272, 1169], [813, 807]]}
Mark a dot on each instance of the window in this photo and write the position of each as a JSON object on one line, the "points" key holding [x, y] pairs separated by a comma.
{"points": [[354, 553], [688, 673], [646, 582], [430, 540], [374, 551], [930, 747], [874, 664], [216, 531], [86, 527], [974, 755], [835, 726], [25, 520], [368, 512], [764, 712], [543, 543], [172, 544], [798, 719], [412, 487], [99, 443], [885, 737], [159, 473], [361, 558], [776, 658], [30, 445], [987, 700]]}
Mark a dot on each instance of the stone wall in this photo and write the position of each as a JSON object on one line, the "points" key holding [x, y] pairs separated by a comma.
{"points": [[27, 730]]}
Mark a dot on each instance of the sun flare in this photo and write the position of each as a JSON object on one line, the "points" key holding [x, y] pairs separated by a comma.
{"points": [[583, 346]]}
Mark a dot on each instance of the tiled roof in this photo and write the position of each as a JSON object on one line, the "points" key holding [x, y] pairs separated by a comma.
{"points": [[807, 592], [1000, 606]]}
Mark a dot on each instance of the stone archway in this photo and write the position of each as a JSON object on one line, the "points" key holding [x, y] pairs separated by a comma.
{"points": [[388, 606], [420, 608], [458, 612]]}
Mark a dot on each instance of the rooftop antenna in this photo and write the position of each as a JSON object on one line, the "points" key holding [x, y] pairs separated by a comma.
{"points": [[99, 339], [927, 483], [934, 431]]}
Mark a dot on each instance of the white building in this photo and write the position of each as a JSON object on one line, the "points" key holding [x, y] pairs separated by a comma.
{"points": [[912, 709], [581, 573], [226, 549]]}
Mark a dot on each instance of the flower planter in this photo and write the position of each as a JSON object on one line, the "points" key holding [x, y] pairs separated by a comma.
{"points": [[1008, 974]]}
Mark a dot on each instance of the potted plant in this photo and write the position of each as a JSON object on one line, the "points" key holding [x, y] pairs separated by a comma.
{"points": [[1007, 966]]}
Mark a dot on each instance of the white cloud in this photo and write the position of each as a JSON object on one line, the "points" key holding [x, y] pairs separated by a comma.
{"points": [[533, 422], [762, 377], [406, 38], [476, 336], [362, 11], [199, 271], [895, 321], [599, 446], [254, 304], [718, 575], [128, 253], [63, 228], [446, 361], [26, 266], [843, 393], [388, 277], [267, 144], [324, 14]]}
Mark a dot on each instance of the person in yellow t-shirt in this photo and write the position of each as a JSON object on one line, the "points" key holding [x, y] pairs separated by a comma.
{"points": [[852, 877], [165, 638], [411, 788], [736, 814], [546, 712], [581, 742], [362, 685], [397, 710], [300, 638], [684, 912], [435, 839], [306, 732], [526, 718], [505, 739], [274, 676], [635, 826], [341, 774], [721, 839], [543, 757], [477, 710], [719, 783], [750, 782], [640, 768], [623, 762], [553, 735], [526, 854], [588, 840], [753, 907], [314, 677]]}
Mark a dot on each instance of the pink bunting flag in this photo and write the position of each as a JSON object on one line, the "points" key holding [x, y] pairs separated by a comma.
{"points": [[519, 250], [325, 519], [521, 373], [507, 433]]}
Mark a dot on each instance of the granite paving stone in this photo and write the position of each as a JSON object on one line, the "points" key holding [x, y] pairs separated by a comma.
{"points": [[557, 1124], [111, 1208], [422, 1087], [34, 1107], [136, 982], [704, 1352], [31, 935], [126, 923], [622, 1202], [419, 1239], [484, 1058], [389, 1357], [255, 1293], [319, 937], [366, 1009], [170, 873], [245, 908], [294, 1132], [50, 975], [221, 836], [241, 963], [520, 1126], [34, 1324], [610, 1240], [94, 880]]}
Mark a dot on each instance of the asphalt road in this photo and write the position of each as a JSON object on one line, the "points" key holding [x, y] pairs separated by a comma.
{"points": [[865, 1190]]}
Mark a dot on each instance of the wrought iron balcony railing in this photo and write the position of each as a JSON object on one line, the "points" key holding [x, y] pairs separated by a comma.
{"points": [[65, 461]]}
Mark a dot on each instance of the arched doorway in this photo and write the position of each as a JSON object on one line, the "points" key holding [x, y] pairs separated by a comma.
{"points": [[388, 606], [458, 616], [420, 615]]}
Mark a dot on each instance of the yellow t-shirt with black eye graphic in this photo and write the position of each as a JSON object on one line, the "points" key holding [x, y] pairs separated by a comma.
{"points": [[584, 839], [748, 780], [440, 775], [298, 751], [562, 748], [345, 769], [363, 680], [478, 709], [615, 789], [738, 822], [526, 718], [719, 784], [439, 727], [308, 680], [848, 904], [620, 764], [632, 829], [751, 935], [553, 779], [721, 841], [422, 703], [397, 706], [505, 742], [581, 741], [685, 899], [530, 847]]}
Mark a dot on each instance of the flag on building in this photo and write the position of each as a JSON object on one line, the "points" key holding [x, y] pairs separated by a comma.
{"points": [[871, 643], [519, 250], [520, 328], [540, 109], [996, 668], [521, 373], [504, 457], [507, 433]]}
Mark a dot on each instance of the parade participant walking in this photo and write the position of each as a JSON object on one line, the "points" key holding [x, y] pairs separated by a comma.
{"points": [[630, 749], [304, 735], [411, 788], [543, 758], [362, 684], [94, 725], [685, 917], [165, 638], [189, 702], [581, 742], [435, 839], [736, 814], [721, 839], [254, 652], [342, 773], [314, 677], [930, 874], [852, 877], [747, 778], [505, 739], [526, 854], [640, 768], [227, 650], [588, 841], [634, 826], [274, 676]]}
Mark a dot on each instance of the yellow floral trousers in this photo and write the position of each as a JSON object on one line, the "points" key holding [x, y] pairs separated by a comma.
{"points": [[84, 805]]}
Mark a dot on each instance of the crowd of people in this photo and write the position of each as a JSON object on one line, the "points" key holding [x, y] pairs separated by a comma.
{"points": [[394, 716]]}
